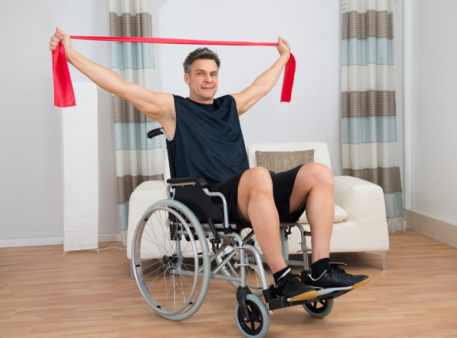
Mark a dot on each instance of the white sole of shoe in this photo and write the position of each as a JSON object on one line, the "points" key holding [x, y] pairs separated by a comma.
{"points": [[330, 290]]}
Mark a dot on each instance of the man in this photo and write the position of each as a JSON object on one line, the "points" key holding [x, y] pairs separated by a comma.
{"points": [[209, 130]]}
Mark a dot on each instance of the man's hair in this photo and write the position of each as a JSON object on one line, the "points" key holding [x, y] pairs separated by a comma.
{"points": [[199, 54]]}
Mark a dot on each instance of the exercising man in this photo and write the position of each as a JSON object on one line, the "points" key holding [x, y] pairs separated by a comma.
{"points": [[206, 140]]}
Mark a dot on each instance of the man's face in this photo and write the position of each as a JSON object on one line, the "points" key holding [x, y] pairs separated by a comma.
{"points": [[203, 79]]}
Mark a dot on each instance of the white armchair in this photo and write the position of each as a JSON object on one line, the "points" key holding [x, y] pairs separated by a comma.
{"points": [[360, 222]]}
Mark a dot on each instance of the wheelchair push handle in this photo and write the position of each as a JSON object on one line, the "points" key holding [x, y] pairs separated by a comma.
{"points": [[155, 132]]}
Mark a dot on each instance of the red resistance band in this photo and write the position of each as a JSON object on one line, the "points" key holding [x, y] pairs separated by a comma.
{"points": [[64, 95]]}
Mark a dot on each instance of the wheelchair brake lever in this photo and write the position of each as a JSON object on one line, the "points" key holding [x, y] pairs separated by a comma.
{"points": [[215, 240]]}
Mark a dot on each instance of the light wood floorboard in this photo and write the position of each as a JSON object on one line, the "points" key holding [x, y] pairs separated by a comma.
{"points": [[89, 294]]}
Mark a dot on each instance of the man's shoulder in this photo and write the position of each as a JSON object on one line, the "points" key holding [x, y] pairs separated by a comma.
{"points": [[179, 97]]}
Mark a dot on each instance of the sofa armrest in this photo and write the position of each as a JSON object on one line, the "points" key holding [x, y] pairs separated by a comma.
{"points": [[362, 200]]}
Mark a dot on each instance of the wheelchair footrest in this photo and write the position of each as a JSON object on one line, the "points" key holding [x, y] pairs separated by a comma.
{"points": [[275, 303]]}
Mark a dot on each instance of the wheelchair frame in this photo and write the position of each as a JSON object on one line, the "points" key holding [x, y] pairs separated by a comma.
{"points": [[230, 234]]}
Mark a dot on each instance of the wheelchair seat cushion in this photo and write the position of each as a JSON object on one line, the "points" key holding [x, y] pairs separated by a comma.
{"points": [[283, 184]]}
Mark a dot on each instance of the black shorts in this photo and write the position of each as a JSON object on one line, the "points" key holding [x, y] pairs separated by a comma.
{"points": [[283, 184]]}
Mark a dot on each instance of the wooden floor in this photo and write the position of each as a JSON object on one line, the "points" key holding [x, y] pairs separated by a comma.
{"points": [[89, 294]]}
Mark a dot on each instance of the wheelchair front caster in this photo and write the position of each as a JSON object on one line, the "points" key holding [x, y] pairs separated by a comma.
{"points": [[259, 319], [319, 309]]}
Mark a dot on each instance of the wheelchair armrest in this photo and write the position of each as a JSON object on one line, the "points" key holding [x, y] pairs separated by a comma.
{"points": [[200, 181]]}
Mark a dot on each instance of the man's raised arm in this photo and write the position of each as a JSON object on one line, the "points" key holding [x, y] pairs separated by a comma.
{"points": [[154, 105], [265, 82]]}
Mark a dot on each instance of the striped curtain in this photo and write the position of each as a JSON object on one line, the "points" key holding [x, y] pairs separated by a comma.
{"points": [[138, 158], [369, 120]]}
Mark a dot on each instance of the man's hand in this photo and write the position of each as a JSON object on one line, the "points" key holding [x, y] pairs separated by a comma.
{"points": [[265, 82], [283, 47], [61, 37]]}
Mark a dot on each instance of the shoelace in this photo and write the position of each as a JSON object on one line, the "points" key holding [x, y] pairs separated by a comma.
{"points": [[288, 276], [336, 269], [294, 280]]}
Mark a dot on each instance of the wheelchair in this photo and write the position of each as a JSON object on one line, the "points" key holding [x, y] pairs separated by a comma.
{"points": [[173, 263]]}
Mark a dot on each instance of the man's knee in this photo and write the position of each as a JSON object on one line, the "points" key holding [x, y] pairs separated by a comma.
{"points": [[258, 180], [253, 182], [318, 173]]}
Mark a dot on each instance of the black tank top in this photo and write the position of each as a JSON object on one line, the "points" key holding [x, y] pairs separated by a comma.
{"points": [[208, 141]]}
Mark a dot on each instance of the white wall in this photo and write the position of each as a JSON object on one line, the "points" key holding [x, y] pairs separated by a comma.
{"points": [[30, 147], [30, 169], [434, 112], [91, 18], [31, 137]]}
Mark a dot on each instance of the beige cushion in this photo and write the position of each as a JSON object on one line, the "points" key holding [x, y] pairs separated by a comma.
{"points": [[279, 161]]}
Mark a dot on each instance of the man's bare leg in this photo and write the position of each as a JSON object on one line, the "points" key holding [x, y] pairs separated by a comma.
{"points": [[314, 184], [315, 181], [257, 206]]}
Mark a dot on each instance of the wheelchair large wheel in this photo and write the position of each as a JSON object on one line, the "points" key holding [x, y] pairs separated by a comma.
{"points": [[170, 260], [259, 319], [252, 278]]}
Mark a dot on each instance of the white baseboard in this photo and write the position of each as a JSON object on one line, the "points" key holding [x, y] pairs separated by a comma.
{"points": [[431, 227], [11, 243], [109, 237]]}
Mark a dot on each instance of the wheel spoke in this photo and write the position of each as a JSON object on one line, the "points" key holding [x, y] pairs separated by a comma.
{"points": [[166, 288], [151, 265], [160, 286], [155, 235], [151, 273], [190, 271], [157, 276]]}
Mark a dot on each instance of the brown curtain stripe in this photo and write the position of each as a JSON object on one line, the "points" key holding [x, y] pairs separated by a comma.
{"points": [[369, 103], [370, 24], [128, 25], [387, 178]]}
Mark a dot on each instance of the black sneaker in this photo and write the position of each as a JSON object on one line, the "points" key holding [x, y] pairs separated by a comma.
{"points": [[293, 289], [336, 279]]}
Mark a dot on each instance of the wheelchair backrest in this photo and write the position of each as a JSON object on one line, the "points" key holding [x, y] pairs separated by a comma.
{"points": [[202, 205]]}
